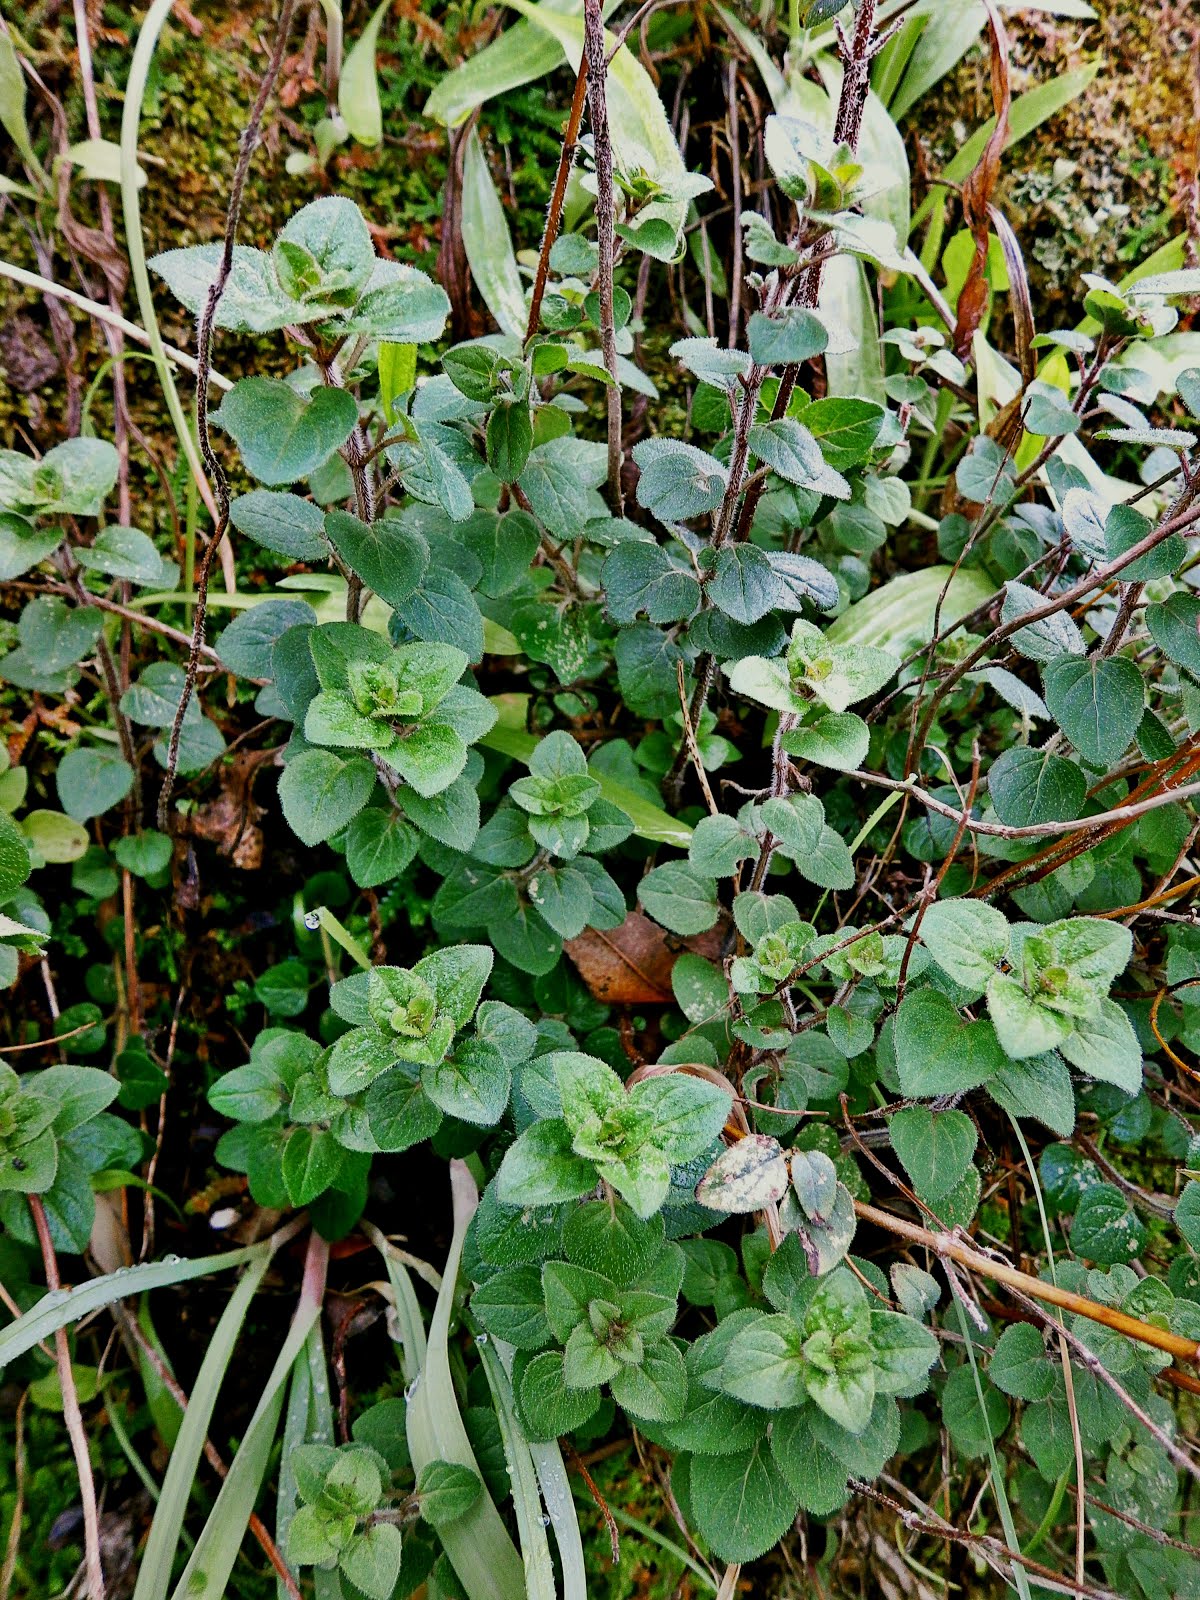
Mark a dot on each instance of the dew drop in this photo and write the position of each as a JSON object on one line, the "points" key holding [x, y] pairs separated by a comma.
{"points": [[481, 1338], [312, 920], [412, 1388]]}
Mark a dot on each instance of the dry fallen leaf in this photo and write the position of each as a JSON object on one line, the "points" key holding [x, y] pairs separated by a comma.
{"points": [[231, 820], [631, 965]]}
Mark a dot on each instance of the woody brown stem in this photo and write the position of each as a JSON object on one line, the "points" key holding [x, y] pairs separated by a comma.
{"points": [[606, 218], [950, 1247], [557, 197]]}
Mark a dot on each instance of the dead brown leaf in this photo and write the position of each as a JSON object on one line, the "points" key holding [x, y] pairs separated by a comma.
{"points": [[92, 243], [631, 965], [231, 820], [979, 188]]}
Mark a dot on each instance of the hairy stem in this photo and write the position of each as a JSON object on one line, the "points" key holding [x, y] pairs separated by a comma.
{"points": [[606, 217], [247, 146]]}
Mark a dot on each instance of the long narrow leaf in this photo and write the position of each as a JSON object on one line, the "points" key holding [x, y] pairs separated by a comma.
{"points": [[62, 1307], [1020, 1577], [12, 104], [899, 614], [308, 1420], [560, 1508], [951, 30], [295, 1433], [855, 368], [207, 1572], [520, 55], [477, 1544], [894, 58], [320, 1431], [131, 177], [358, 88], [527, 1500], [158, 1558], [642, 136], [487, 243], [164, 1408], [409, 1324], [1027, 112]]}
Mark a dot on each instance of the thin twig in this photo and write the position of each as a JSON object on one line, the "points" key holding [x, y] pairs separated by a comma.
{"points": [[72, 1416], [993, 1550], [557, 196], [1181, 520], [13, 1546], [1088, 1359], [689, 737], [247, 146], [1035, 830], [952, 1247], [606, 218]]}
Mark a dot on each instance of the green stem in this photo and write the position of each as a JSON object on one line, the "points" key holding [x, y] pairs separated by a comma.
{"points": [[945, 404], [660, 1539], [1019, 1578], [1052, 1510], [337, 931]]}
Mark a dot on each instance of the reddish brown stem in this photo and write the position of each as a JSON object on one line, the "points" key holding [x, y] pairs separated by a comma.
{"points": [[557, 197], [72, 1415]]}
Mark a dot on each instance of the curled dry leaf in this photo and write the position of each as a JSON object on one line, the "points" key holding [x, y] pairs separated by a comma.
{"points": [[231, 821], [979, 188]]}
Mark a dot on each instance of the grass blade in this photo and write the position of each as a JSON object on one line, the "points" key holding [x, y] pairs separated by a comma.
{"points": [[57, 1309], [207, 1572], [486, 240], [527, 1500], [135, 93], [1019, 1576], [308, 1420], [358, 91], [560, 1506], [521, 54], [641, 133], [477, 1544], [409, 1321], [159, 1555]]}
